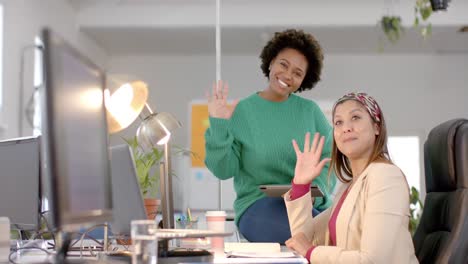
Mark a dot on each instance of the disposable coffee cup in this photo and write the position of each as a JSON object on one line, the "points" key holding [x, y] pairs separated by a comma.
{"points": [[216, 221]]}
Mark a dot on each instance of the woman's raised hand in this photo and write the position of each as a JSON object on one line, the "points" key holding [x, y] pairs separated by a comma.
{"points": [[217, 101], [308, 164]]}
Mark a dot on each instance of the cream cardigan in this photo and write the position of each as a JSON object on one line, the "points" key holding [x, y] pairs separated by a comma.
{"points": [[372, 225]]}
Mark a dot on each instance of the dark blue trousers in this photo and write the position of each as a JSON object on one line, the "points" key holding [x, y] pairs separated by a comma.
{"points": [[267, 221]]}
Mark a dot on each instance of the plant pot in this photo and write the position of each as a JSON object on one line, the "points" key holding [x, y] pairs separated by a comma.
{"points": [[124, 241], [391, 26], [151, 206], [438, 5]]}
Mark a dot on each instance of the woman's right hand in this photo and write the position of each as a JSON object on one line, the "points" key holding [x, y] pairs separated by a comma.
{"points": [[308, 164], [217, 101], [299, 243]]}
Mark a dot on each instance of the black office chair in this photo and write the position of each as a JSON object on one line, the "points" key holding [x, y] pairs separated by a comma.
{"points": [[442, 234]]}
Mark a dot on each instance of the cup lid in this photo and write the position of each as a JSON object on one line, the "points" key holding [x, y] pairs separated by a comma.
{"points": [[215, 213]]}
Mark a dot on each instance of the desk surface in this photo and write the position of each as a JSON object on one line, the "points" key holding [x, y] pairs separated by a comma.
{"points": [[34, 256]]}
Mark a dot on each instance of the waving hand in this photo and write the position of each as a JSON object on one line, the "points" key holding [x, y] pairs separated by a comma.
{"points": [[217, 101], [308, 164]]}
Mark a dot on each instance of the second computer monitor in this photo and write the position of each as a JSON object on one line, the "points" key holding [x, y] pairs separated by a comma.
{"points": [[19, 182], [126, 194]]}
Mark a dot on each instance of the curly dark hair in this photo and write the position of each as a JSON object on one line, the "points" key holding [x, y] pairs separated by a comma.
{"points": [[304, 43]]}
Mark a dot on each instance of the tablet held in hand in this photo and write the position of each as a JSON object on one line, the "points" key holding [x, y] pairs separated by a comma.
{"points": [[277, 190]]}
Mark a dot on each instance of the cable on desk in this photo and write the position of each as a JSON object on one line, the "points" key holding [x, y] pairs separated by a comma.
{"points": [[48, 228], [16, 250], [83, 236], [41, 235], [86, 236]]}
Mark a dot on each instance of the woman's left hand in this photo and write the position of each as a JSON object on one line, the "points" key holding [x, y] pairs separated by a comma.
{"points": [[308, 164], [299, 243]]}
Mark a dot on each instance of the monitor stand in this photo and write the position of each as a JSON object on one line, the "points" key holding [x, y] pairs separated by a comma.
{"points": [[64, 240], [77, 260], [170, 257], [165, 256], [185, 256], [93, 261], [181, 255]]}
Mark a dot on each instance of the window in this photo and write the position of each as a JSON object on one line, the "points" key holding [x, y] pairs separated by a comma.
{"points": [[1, 55], [38, 77], [404, 152]]}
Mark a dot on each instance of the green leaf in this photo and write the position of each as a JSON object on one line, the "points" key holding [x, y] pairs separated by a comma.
{"points": [[426, 13], [429, 29], [391, 26], [147, 166], [415, 214]]}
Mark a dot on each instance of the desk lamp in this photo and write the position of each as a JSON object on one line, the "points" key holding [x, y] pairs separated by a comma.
{"points": [[123, 107]]}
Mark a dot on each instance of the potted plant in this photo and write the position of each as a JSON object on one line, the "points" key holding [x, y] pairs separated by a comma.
{"points": [[147, 167], [416, 208], [439, 5], [148, 175], [392, 27], [422, 12]]}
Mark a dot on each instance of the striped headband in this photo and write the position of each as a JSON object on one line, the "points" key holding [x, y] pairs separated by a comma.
{"points": [[366, 100]]}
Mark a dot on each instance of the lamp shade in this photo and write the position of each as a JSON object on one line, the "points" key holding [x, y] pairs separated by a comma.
{"points": [[125, 104], [156, 129]]}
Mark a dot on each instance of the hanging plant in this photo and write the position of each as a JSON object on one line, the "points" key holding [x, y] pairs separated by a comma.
{"points": [[439, 5], [422, 12], [392, 27]]}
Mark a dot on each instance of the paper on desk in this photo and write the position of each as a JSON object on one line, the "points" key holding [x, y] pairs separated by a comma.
{"points": [[296, 260], [238, 254], [255, 247]]}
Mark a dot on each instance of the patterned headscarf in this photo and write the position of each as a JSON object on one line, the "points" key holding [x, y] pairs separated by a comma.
{"points": [[366, 100]]}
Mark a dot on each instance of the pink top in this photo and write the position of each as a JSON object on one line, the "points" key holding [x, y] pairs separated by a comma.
{"points": [[332, 221], [299, 190]]}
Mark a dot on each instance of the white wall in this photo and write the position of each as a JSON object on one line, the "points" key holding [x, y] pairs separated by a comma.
{"points": [[22, 21], [416, 92]]}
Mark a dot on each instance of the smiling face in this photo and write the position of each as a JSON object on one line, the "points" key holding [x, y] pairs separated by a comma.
{"points": [[287, 72], [354, 130]]}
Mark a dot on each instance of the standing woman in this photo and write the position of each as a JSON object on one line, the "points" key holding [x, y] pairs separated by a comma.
{"points": [[368, 222], [250, 141]]}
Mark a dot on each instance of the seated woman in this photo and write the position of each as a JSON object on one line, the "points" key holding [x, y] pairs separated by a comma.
{"points": [[368, 222]]}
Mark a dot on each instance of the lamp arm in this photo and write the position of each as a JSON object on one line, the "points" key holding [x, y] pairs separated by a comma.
{"points": [[146, 112], [167, 199]]}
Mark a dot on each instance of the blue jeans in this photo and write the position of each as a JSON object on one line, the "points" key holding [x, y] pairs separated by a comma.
{"points": [[267, 221]]}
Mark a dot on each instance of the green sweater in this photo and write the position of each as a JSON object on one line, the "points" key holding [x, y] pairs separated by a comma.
{"points": [[255, 146]]}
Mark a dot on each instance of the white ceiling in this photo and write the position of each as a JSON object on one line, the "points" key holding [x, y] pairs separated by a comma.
{"points": [[127, 27]]}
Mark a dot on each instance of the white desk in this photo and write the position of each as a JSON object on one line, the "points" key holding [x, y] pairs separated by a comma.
{"points": [[37, 256]]}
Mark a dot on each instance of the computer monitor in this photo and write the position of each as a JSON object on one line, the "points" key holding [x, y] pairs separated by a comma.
{"points": [[19, 182], [74, 137], [126, 195]]}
